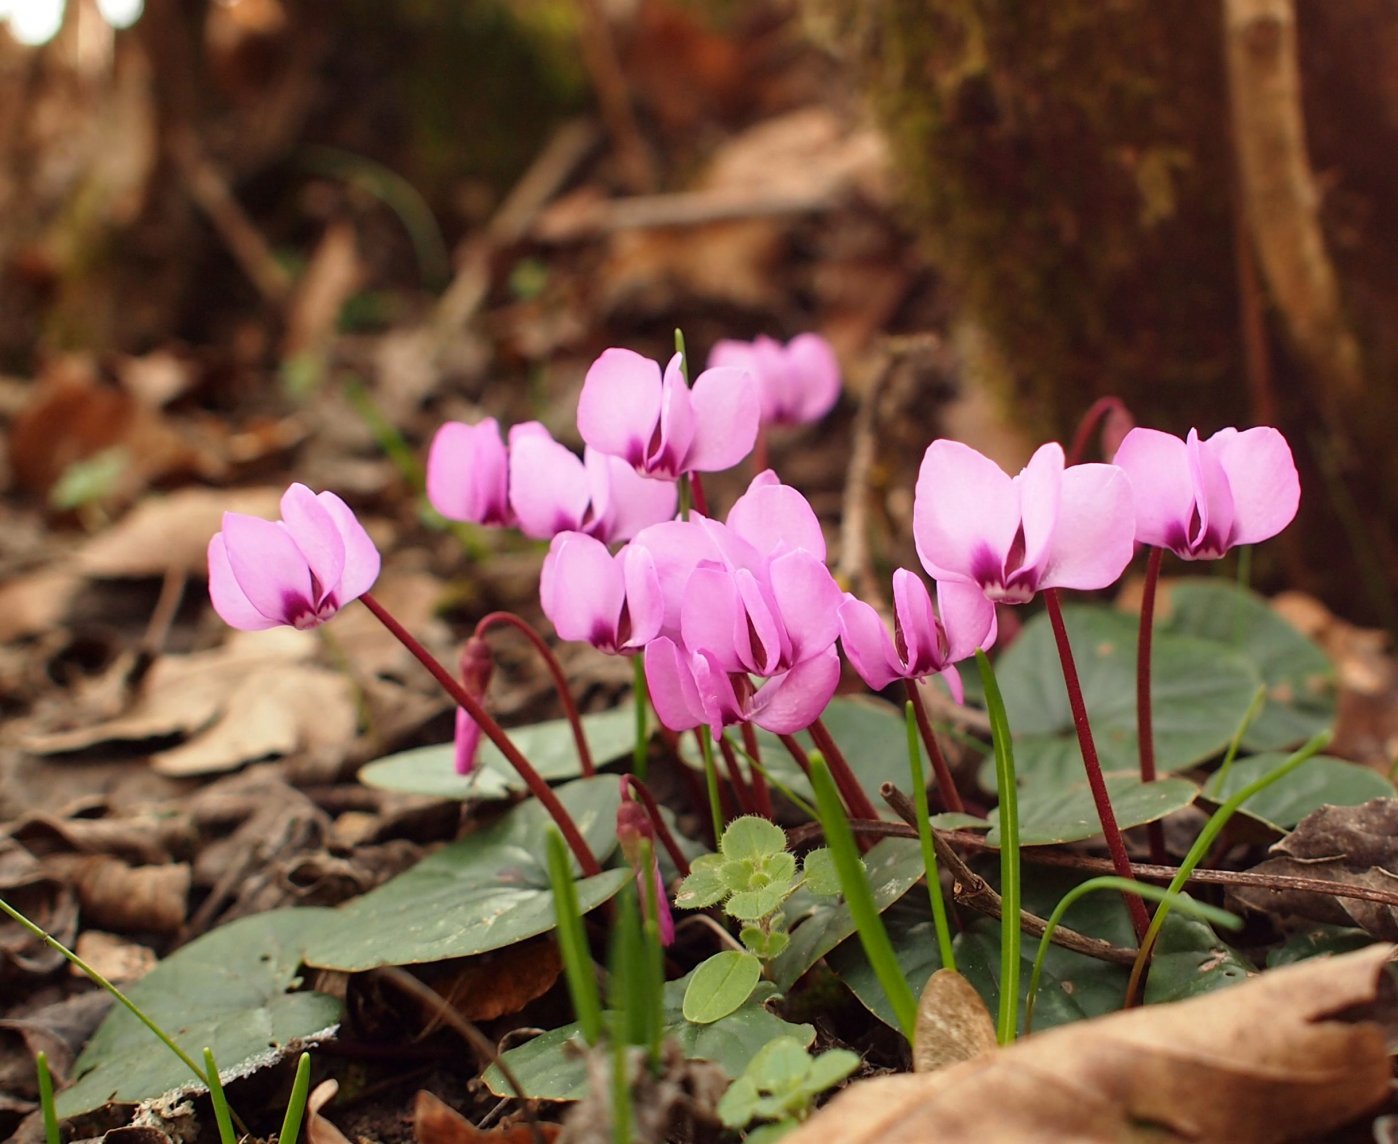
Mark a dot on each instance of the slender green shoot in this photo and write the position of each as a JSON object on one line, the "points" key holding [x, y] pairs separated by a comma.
{"points": [[640, 695], [630, 1001], [1009, 852], [296, 1106], [92, 974], [684, 357], [1212, 829], [621, 1092], [854, 883], [572, 942], [924, 835], [1259, 697], [218, 1100], [1185, 904], [50, 1110], [706, 749]]}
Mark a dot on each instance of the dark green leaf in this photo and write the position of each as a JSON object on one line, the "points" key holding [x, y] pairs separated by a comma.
{"points": [[1049, 814], [1320, 781]]}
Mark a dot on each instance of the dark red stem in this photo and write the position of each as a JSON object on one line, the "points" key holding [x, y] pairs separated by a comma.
{"points": [[951, 797], [759, 451], [760, 793], [850, 790], [662, 831], [696, 489], [560, 681], [494, 732], [1116, 846], [735, 776], [1145, 730], [1090, 420]]}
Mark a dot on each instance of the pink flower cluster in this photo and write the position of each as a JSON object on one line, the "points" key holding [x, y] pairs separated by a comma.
{"points": [[738, 620]]}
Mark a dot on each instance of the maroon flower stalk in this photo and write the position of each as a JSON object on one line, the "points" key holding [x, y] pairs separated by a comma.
{"points": [[741, 790], [1099, 411], [494, 732], [1116, 846], [850, 790], [560, 681], [662, 831], [951, 797], [1145, 730], [761, 795]]}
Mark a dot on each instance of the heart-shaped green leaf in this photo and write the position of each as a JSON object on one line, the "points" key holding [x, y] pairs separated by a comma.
{"points": [[227, 991], [549, 746], [1319, 781], [1049, 814], [719, 985], [1200, 694], [489, 890], [1300, 680]]}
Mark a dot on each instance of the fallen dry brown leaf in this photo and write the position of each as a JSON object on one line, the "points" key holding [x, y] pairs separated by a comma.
{"points": [[953, 1024], [435, 1122], [1287, 1055]]}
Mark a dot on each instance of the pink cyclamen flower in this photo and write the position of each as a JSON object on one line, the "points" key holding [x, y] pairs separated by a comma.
{"points": [[299, 570], [1200, 498], [661, 427], [798, 382], [633, 827], [923, 642], [611, 602], [551, 491], [467, 473], [1047, 527]]}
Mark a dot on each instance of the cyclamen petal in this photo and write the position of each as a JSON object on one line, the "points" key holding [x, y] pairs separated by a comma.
{"points": [[619, 407], [299, 572], [467, 475], [792, 701], [549, 491], [797, 383], [726, 414]]}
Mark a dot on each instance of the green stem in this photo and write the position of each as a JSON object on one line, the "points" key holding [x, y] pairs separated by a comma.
{"points": [[924, 834], [1259, 697], [572, 942], [706, 749], [296, 1106], [1185, 903], [50, 1111], [1008, 792], [218, 1099], [1212, 829], [860, 899]]}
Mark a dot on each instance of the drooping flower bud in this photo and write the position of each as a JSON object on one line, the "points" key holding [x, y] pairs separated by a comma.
{"points": [[477, 666]]}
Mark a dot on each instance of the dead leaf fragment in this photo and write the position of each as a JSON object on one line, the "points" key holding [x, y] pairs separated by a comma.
{"points": [[436, 1122], [318, 1129], [953, 1024], [1347, 845], [1291, 1054]]}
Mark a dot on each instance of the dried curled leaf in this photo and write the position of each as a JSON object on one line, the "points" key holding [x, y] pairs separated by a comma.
{"points": [[953, 1024], [1290, 1054]]}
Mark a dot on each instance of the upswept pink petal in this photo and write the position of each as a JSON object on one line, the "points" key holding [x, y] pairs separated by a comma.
{"points": [[466, 472], [645, 602], [268, 567], [815, 375], [670, 681], [808, 600], [968, 620], [1213, 499], [582, 590], [965, 512], [1161, 486], [793, 701], [677, 547], [228, 598], [669, 455], [362, 560], [766, 646], [1040, 488], [726, 412], [313, 529], [619, 407], [774, 517], [623, 501], [666, 920], [914, 617], [868, 646], [1095, 536], [952, 678], [548, 487], [1262, 475]]}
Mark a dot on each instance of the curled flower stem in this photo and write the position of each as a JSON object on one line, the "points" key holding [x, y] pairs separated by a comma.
{"points": [[1090, 420], [951, 797], [1116, 845], [667, 839], [560, 681], [1145, 731], [850, 790], [493, 731]]}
